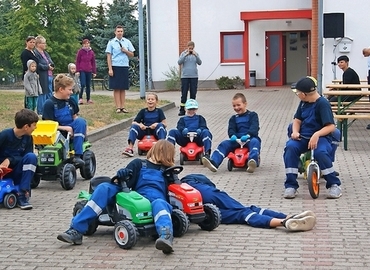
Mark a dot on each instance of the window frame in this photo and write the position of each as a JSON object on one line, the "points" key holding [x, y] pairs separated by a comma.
{"points": [[231, 60]]}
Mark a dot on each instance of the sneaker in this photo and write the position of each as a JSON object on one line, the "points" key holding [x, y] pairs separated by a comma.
{"points": [[368, 126], [90, 102], [301, 224], [307, 213], [209, 163], [334, 192], [164, 242], [128, 152], [81, 101], [22, 202], [78, 162], [71, 236], [290, 193], [252, 165]]}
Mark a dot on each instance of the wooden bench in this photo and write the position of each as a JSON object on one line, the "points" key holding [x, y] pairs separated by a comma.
{"points": [[349, 111], [340, 81], [99, 81]]}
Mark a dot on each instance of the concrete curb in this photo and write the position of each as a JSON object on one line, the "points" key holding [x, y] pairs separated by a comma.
{"points": [[100, 133]]}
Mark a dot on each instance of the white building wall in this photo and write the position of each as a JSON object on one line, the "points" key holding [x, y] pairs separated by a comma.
{"points": [[356, 22], [210, 17], [164, 37]]}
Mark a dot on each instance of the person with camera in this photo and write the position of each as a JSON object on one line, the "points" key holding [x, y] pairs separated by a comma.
{"points": [[188, 60]]}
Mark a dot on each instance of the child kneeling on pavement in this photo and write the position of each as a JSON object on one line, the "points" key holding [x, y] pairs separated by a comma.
{"points": [[233, 212], [191, 122], [146, 178], [244, 125]]}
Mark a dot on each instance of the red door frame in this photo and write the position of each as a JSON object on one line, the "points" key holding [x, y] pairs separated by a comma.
{"points": [[279, 62], [248, 16]]}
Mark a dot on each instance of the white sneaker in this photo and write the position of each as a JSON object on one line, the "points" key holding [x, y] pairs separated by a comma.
{"points": [[290, 193], [302, 224], [252, 165], [307, 213]]}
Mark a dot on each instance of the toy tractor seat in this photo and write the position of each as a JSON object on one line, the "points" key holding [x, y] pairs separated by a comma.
{"points": [[94, 182]]}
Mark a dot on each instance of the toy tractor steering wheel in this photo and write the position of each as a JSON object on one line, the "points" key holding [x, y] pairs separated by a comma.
{"points": [[171, 174], [118, 181]]}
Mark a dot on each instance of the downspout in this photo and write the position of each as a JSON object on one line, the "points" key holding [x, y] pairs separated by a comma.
{"points": [[320, 15], [149, 45]]}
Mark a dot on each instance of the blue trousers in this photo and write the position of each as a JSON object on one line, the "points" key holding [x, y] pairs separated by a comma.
{"points": [[205, 139], [85, 80], [137, 133], [227, 146], [186, 84], [232, 211], [23, 172], [292, 152], [103, 195], [160, 207], [79, 132]]}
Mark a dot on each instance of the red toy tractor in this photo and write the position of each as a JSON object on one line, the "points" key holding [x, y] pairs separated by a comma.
{"points": [[146, 142], [238, 158], [192, 151], [189, 200]]}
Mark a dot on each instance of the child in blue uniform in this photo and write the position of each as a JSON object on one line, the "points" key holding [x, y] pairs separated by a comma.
{"points": [[147, 179], [16, 152], [63, 109], [191, 122], [151, 118], [312, 128], [243, 125], [233, 212]]}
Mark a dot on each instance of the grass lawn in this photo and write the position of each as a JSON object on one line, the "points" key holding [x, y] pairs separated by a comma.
{"points": [[97, 115]]}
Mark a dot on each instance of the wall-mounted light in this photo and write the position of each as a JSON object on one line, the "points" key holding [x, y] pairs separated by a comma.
{"points": [[288, 22]]}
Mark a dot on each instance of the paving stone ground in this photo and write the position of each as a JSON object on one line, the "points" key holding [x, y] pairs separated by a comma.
{"points": [[340, 240]]}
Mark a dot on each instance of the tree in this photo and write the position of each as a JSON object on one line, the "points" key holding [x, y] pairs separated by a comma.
{"points": [[56, 20]]}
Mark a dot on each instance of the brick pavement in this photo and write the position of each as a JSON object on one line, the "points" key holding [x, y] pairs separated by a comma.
{"points": [[339, 240]]}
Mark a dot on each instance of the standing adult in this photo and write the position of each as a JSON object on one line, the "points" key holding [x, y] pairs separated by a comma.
{"points": [[189, 59], [28, 53], [86, 67], [366, 53], [45, 69], [119, 50]]}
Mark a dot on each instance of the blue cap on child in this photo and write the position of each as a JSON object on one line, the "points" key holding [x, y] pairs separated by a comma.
{"points": [[191, 104]]}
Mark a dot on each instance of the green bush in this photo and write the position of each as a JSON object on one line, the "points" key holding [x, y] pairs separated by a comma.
{"points": [[225, 82], [173, 81]]}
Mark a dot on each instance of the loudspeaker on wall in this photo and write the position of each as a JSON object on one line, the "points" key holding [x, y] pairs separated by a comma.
{"points": [[333, 25]]}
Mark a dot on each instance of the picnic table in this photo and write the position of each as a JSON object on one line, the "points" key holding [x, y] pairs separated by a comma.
{"points": [[346, 111]]}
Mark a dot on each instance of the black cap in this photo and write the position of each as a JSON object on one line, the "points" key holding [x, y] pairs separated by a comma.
{"points": [[305, 85]]}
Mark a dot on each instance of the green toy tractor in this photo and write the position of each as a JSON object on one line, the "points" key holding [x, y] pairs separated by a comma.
{"points": [[55, 157], [131, 215]]}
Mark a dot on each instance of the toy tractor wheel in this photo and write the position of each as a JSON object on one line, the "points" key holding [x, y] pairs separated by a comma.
{"points": [[230, 165], [88, 170], [313, 180], [68, 176], [125, 234], [140, 152], [10, 200], [182, 158], [93, 225], [200, 159], [180, 223], [213, 217], [35, 182]]}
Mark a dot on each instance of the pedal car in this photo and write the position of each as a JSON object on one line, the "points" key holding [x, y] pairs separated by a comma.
{"points": [[131, 215], [8, 191], [238, 158], [192, 151], [189, 200], [55, 156], [146, 142]]}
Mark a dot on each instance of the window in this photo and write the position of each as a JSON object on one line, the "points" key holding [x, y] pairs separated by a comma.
{"points": [[232, 47]]}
